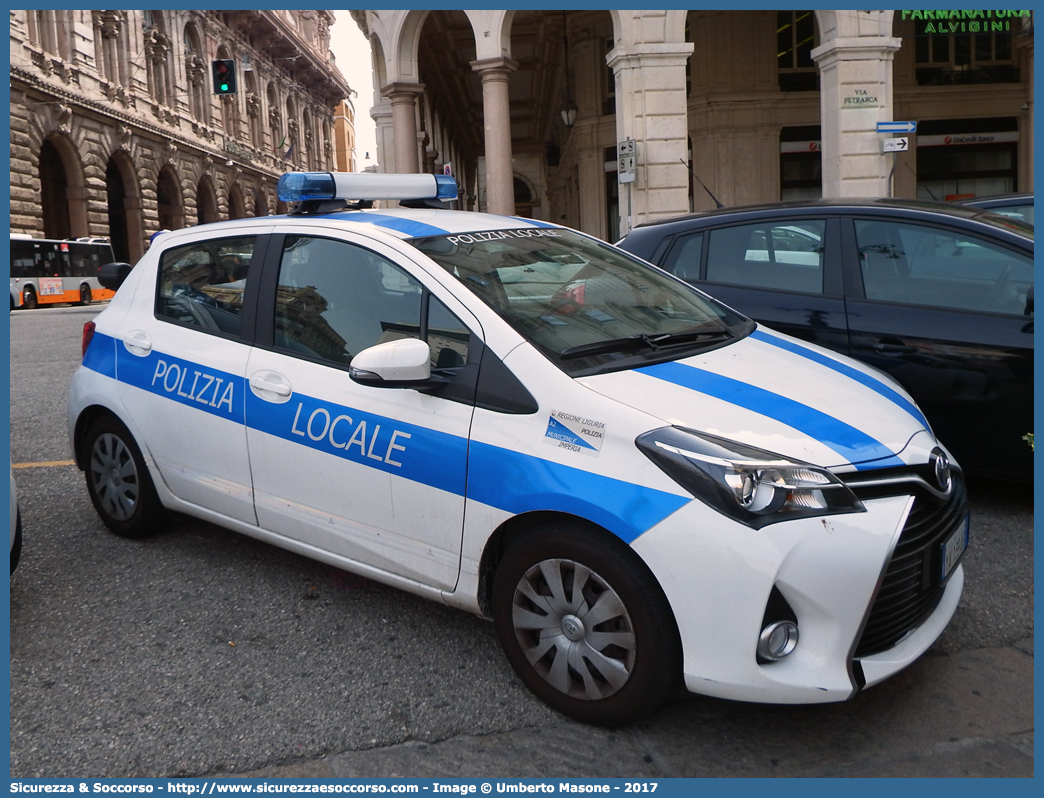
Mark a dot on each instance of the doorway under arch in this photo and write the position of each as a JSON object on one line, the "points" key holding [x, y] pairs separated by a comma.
{"points": [[170, 208], [206, 202]]}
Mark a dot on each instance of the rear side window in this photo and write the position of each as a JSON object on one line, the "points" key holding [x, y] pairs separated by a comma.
{"points": [[202, 285], [783, 256], [683, 260], [922, 265]]}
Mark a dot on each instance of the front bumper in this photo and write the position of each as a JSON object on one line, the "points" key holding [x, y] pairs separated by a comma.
{"points": [[718, 576]]}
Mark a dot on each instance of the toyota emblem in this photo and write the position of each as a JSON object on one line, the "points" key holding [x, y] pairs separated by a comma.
{"points": [[942, 470]]}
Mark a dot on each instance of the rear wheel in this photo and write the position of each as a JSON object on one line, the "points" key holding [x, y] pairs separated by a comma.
{"points": [[118, 481], [29, 298], [85, 295], [585, 624]]}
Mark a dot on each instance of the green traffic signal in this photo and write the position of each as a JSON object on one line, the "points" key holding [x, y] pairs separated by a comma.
{"points": [[223, 71]]}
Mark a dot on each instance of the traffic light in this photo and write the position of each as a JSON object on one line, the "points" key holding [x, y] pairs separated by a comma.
{"points": [[224, 73]]}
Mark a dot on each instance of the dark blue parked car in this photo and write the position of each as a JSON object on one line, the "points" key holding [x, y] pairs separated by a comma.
{"points": [[1019, 206], [938, 295]]}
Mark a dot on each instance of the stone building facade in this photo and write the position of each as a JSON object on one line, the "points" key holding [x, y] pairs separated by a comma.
{"points": [[116, 131], [526, 108], [345, 157]]}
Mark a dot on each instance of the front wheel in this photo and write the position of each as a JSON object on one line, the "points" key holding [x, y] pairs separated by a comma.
{"points": [[29, 298], [118, 481], [85, 295], [585, 624]]}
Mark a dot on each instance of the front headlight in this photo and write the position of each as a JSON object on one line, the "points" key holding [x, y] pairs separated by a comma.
{"points": [[752, 486]]}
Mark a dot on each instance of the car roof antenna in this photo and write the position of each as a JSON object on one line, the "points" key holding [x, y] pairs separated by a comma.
{"points": [[718, 204]]}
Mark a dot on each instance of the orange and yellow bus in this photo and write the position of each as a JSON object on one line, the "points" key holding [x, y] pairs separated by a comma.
{"points": [[47, 271]]}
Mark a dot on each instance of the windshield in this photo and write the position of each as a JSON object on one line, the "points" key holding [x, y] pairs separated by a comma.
{"points": [[588, 306]]}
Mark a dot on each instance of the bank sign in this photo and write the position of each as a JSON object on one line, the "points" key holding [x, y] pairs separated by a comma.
{"points": [[947, 22]]}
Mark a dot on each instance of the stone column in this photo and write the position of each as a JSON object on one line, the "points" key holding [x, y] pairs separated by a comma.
{"points": [[500, 175], [403, 98], [384, 155], [1024, 46], [651, 108], [79, 198], [855, 94]]}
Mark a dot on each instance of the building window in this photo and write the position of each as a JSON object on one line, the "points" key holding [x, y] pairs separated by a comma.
{"points": [[612, 195], [275, 121], [977, 48], [964, 158], [158, 50], [198, 70], [609, 103], [49, 30], [110, 46], [253, 108], [796, 36]]}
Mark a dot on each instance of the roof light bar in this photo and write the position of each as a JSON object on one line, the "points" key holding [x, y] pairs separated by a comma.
{"points": [[300, 186]]}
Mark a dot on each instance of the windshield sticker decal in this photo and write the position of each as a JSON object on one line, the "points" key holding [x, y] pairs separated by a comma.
{"points": [[500, 235], [575, 433]]}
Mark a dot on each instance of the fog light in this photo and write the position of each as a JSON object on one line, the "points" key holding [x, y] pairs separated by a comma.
{"points": [[777, 640]]}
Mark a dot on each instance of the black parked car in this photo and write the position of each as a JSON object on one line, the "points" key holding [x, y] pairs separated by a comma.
{"points": [[1018, 206], [938, 295]]}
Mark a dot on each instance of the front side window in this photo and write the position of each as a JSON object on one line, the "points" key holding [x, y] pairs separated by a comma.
{"points": [[922, 265], [783, 255], [202, 285], [587, 306], [335, 299]]}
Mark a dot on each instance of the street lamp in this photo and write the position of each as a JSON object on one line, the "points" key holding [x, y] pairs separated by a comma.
{"points": [[568, 112]]}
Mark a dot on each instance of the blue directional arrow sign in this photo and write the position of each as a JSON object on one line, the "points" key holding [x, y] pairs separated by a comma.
{"points": [[896, 127]]}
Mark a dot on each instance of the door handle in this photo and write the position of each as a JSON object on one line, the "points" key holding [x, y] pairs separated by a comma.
{"points": [[270, 382], [894, 349], [137, 342]]}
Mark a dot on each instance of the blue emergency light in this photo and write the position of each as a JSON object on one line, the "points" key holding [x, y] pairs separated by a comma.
{"points": [[303, 186]]}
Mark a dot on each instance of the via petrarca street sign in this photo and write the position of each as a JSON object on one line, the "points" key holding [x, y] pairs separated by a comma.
{"points": [[896, 127], [896, 145]]}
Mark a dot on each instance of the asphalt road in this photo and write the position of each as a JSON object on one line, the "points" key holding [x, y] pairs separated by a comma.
{"points": [[202, 652]]}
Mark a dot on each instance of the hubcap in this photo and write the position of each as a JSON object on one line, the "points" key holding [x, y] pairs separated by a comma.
{"points": [[114, 476], [574, 629]]}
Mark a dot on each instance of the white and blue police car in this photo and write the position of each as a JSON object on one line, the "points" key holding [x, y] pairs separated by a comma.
{"points": [[636, 483]]}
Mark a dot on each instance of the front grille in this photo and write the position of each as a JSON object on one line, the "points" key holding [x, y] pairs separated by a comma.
{"points": [[912, 584]]}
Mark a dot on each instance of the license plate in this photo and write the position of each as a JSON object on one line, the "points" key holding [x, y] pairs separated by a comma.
{"points": [[953, 547]]}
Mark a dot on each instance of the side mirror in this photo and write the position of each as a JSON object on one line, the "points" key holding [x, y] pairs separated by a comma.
{"points": [[405, 363], [112, 275]]}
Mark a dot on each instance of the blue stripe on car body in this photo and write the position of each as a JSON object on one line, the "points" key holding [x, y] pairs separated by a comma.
{"points": [[101, 355], [534, 222], [210, 390], [862, 378], [519, 483], [407, 227], [418, 454], [854, 445], [503, 479]]}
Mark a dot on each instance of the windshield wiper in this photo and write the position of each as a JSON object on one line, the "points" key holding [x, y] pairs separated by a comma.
{"points": [[646, 341]]}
